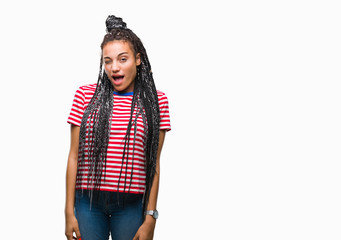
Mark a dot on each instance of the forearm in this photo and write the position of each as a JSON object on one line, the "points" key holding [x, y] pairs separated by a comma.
{"points": [[153, 194], [70, 186], [155, 186], [71, 172], [154, 191]]}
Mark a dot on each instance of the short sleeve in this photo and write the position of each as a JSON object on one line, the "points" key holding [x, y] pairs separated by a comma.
{"points": [[77, 109], [164, 112]]}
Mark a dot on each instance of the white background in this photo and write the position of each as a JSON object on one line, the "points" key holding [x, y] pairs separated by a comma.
{"points": [[254, 93]]}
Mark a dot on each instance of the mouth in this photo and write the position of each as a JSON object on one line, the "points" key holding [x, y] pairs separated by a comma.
{"points": [[118, 79]]}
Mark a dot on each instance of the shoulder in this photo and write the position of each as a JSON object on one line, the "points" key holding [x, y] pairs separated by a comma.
{"points": [[163, 100], [161, 95], [88, 87], [84, 93], [87, 90]]}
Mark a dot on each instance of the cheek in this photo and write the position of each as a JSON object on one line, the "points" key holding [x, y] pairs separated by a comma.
{"points": [[132, 70], [107, 70]]}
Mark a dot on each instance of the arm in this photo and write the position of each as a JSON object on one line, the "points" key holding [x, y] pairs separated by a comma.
{"points": [[71, 224], [146, 231]]}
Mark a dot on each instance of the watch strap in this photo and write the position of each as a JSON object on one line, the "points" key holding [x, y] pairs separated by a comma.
{"points": [[153, 213]]}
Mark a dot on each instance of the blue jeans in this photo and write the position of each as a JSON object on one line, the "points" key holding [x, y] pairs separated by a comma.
{"points": [[121, 217]]}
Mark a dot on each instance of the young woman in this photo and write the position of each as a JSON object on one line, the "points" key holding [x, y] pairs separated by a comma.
{"points": [[118, 128]]}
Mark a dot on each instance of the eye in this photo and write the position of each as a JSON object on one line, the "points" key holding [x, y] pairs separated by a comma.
{"points": [[123, 59]]}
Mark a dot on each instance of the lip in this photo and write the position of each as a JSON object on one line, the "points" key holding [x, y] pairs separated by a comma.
{"points": [[116, 76]]}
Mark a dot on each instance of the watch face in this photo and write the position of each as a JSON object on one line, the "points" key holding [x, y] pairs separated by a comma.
{"points": [[156, 214]]}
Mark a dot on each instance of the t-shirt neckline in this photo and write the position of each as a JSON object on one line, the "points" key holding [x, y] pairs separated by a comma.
{"points": [[124, 94]]}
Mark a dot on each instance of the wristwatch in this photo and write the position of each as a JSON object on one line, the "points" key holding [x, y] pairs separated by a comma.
{"points": [[153, 213]]}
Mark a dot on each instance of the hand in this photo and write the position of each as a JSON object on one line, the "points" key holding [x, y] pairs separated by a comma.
{"points": [[146, 231], [71, 226]]}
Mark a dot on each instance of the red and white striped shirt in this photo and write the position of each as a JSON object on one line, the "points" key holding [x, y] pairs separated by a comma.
{"points": [[119, 123]]}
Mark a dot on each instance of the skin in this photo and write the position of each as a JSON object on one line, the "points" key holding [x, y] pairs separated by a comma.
{"points": [[119, 59], [71, 223]]}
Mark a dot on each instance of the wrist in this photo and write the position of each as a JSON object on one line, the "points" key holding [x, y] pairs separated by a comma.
{"points": [[69, 211], [153, 213], [150, 220]]}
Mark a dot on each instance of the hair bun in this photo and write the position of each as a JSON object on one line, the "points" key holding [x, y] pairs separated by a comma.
{"points": [[114, 22]]}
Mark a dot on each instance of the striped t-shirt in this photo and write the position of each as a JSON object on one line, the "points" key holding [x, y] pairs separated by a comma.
{"points": [[120, 119]]}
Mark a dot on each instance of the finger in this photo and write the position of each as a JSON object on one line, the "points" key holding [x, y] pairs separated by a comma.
{"points": [[69, 236], [136, 237], [78, 233]]}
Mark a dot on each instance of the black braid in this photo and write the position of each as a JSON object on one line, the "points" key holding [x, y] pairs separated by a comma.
{"points": [[96, 123], [99, 111]]}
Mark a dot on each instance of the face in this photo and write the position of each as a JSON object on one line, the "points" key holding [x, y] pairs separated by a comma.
{"points": [[120, 65]]}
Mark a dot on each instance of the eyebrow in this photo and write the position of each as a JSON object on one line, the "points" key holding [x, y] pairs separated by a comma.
{"points": [[118, 54]]}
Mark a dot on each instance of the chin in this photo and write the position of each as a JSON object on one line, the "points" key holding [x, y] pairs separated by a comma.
{"points": [[120, 89]]}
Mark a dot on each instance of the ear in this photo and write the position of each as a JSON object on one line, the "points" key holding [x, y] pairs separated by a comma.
{"points": [[138, 59]]}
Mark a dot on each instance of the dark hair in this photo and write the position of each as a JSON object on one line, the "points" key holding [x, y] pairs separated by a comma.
{"points": [[96, 122]]}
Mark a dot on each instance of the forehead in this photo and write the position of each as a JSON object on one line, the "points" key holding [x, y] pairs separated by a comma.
{"points": [[114, 48]]}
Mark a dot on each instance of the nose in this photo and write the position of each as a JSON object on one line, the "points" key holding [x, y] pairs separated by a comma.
{"points": [[115, 67]]}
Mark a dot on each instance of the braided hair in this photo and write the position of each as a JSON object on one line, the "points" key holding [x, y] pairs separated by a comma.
{"points": [[96, 121]]}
